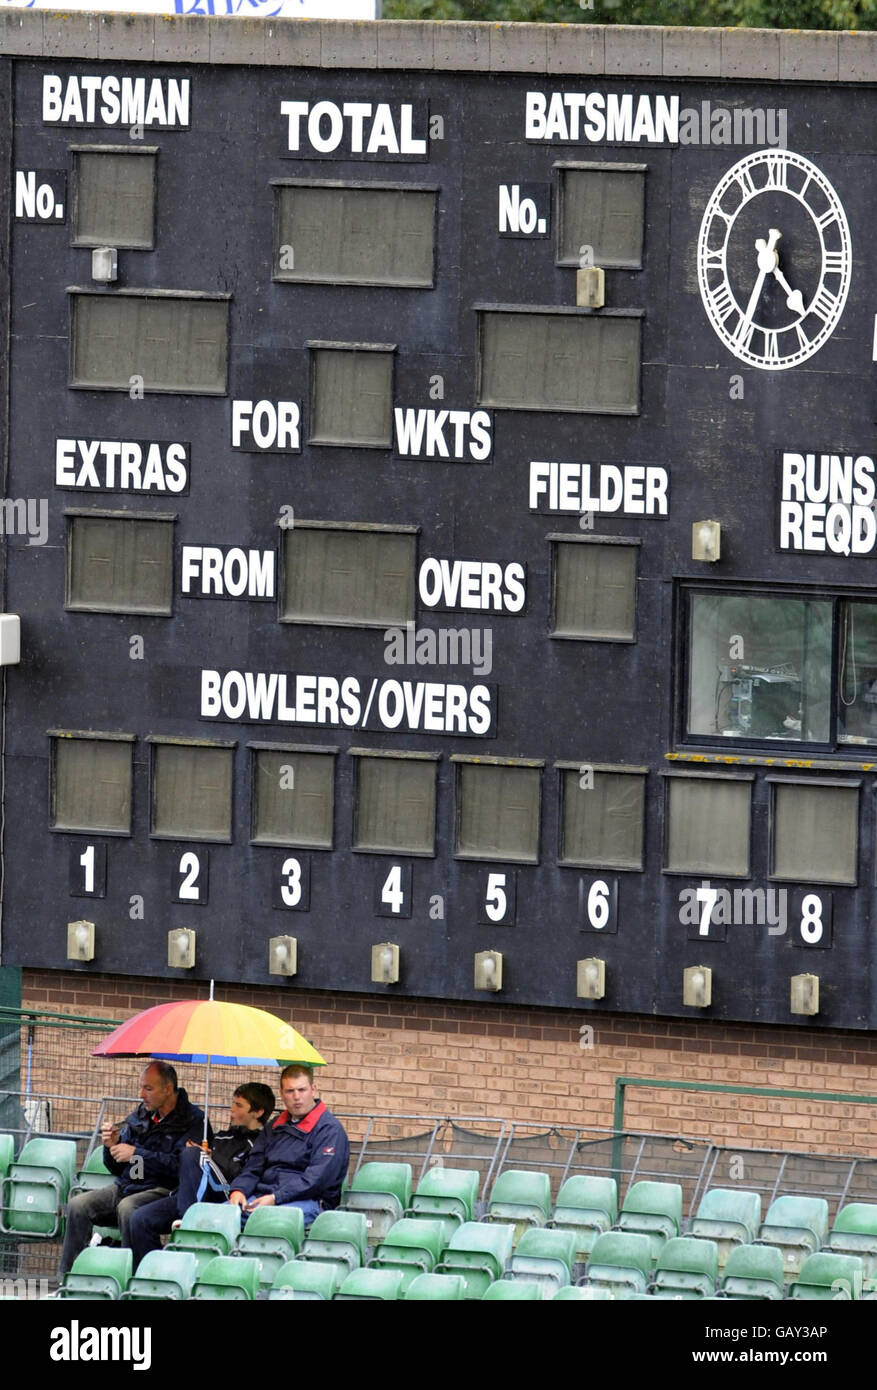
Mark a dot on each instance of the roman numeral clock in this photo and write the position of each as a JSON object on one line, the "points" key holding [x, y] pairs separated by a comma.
{"points": [[774, 259]]}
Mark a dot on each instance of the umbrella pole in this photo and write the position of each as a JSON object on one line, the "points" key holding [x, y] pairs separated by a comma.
{"points": [[204, 1144]]}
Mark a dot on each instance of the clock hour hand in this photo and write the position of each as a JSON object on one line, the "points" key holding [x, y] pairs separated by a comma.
{"points": [[767, 263], [794, 298]]}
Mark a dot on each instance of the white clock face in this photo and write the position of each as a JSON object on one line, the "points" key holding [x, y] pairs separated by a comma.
{"points": [[774, 259]]}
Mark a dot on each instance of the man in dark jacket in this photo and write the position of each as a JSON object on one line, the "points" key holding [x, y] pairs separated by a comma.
{"points": [[143, 1153], [301, 1158], [251, 1106]]}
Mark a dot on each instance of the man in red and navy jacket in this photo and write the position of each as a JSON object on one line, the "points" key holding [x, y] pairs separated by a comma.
{"points": [[300, 1159]]}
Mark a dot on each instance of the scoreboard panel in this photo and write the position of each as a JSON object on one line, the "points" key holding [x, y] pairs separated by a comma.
{"points": [[380, 599]]}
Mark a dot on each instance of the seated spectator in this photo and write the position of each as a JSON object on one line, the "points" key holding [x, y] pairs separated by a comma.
{"points": [[143, 1153], [300, 1158], [252, 1104]]}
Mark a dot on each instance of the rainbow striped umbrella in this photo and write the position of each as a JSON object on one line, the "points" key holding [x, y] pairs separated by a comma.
{"points": [[208, 1030]]}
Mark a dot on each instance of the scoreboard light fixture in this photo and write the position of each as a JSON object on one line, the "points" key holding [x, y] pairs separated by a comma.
{"points": [[805, 994], [697, 986], [385, 963], [591, 978], [104, 265], [488, 970], [181, 948], [10, 639], [282, 955], [591, 287], [80, 940], [706, 541]]}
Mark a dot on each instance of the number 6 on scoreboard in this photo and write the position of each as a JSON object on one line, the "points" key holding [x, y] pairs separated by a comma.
{"points": [[598, 905]]}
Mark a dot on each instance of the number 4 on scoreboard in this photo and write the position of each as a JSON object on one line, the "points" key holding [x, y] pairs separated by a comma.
{"points": [[393, 891], [598, 905]]}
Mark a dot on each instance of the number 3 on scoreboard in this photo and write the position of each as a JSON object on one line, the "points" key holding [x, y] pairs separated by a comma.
{"points": [[292, 883], [598, 905]]}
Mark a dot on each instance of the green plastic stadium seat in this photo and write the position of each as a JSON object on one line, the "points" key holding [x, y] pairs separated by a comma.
{"points": [[208, 1229], [371, 1283], [306, 1279], [33, 1193], [588, 1206], [164, 1274], [620, 1261], [437, 1288], [412, 1246], [337, 1237], [686, 1268], [228, 1277], [98, 1272], [855, 1233], [521, 1197], [95, 1174], [826, 1275], [273, 1236], [729, 1218], [7, 1153], [545, 1257], [479, 1253], [382, 1191], [653, 1209], [450, 1193], [583, 1294], [753, 1271], [513, 1290], [798, 1226]]}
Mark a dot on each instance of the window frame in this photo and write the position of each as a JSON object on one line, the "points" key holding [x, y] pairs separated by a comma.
{"points": [[322, 750], [368, 526], [463, 759], [774, 780], [556, 538], [354, 184], [59, 736], [837, 595], [696, 775], [108, 514], [398, 755], [315, 346], [77, 293], [133, 150], [157, 741], [562, 167], [641, 772]]}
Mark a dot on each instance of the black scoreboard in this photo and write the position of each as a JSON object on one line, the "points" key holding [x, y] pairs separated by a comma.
{"points": [[441, 510]]}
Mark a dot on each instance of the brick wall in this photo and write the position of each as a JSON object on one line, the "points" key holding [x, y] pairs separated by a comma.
{"points": [[394, 1054]]}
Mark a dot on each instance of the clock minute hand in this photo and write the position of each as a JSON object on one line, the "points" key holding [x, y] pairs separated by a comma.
{"points": [[794, 298]]}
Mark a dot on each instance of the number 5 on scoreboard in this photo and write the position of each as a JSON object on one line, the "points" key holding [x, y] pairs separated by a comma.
{"points": [[598, 905], [496, 899]]}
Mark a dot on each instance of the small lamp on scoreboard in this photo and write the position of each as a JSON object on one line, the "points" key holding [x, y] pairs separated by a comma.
{"points": [[385, 963], [104, 265], [181, 948], [591, 978], [805, 994], [488, 970], [80, 940], [706, 541], [282, 955], [697, 986]]}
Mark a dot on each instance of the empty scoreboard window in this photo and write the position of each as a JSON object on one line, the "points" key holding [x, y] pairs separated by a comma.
{"points": [[191, 790], [593, 588], [760, 667], [155, 340], [814, 831], [857, 673], [564, 360], [602, 816], [394, 809], [91, 783], [120, 564], [114, 197], [601, 215], [349, 575], [498, 807], [351, 394], [353, 234], [708, 825], [293, 796]]}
